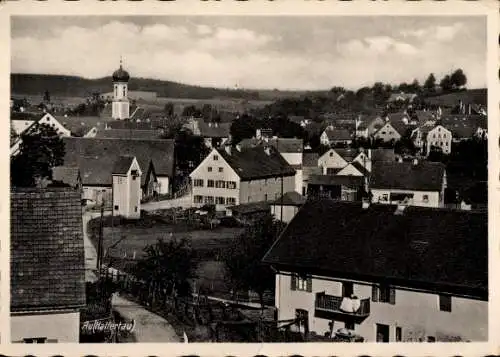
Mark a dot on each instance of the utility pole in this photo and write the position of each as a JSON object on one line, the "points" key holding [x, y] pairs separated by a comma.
{"points": [[99, 246]]}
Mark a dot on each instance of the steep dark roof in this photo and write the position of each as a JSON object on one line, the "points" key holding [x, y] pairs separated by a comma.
{"points": [[334, 180], [290, 199], [96, 157], [360, 168], [347, 154], [383, 155], [65, 174], [255, 163], [122, 165], [425, 176], [338, 135], [129, 134], [310, 159], [438, 249], [283, 145], [47, 254]]}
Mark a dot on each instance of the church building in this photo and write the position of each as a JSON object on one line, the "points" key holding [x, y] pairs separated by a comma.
{"points": [[121, 105]]}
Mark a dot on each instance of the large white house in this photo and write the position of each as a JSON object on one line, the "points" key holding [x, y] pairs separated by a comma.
{"points": [[417, 183], [427, 137], [379, 273], [47, 279], [228, 177]]}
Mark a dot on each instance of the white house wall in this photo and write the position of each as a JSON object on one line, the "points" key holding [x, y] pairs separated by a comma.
{"points": [[349, 170], [164, 182], [434, 197], [387, 133], [63, 327], [19, 126], [288, 212], [227, 174], [417, 313], [256, 190], [331, 160]]}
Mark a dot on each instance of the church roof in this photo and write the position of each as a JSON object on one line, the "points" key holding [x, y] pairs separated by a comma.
{"points": [[120, 75]]}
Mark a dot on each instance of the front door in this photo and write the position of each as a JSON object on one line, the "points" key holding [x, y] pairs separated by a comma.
{"points": [[303, 317], [382, 333], [347, 290]]}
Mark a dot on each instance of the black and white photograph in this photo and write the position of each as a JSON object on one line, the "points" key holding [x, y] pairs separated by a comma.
{"points": [[252, 179]]}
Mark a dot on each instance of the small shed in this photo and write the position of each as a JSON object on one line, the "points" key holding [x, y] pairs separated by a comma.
{"points": [[285, 207]]}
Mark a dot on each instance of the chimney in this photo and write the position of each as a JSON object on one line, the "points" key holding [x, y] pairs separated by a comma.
{"points": [[228, 149], [267, 150], [415, 162]]}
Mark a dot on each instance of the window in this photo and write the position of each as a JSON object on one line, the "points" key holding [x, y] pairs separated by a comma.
{"points": [[231, 201], [198, 182], [124, 91], [383, 133], [220, 200], [445, 303], [265, 197], [399, 334], [209, 169], [135, 209], [425, 198], [347, 289], [210, 183], [209, 200], [446, 143], [231, 185], [198, 199], [221, 169], [220, 184], [216, 157], [301, 283], [331, 154], [385, 197], [116, 208], [434, 136], [384, 293]]}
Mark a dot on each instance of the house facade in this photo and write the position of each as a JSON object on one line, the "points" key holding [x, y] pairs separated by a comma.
{"points": [[229, 177], [379, 286], [387, 133], [425, 138], [413, 183], [39, 312], [335, 136], [341, 161], [127, 188], [287, 206]]}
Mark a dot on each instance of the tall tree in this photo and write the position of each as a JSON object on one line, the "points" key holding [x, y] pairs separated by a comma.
{"points": [[430, 83], [167, 268], [446, 83], [458, 78], [243, 261], [169, 109], [41, 149]]}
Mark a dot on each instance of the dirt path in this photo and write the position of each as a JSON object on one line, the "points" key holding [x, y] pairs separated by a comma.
{"points": [[149, 327]]}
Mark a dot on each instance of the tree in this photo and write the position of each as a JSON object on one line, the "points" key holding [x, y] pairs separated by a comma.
{"points": [[41, 150], [430, 83], [243, 128], [190, 150], [446, 83], [46, 97], [167, 268], [415, 86], [243, 260], [169, 109], [458, 79]]}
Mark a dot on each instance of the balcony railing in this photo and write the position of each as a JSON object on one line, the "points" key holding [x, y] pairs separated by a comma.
{"points": [[330, 303]]}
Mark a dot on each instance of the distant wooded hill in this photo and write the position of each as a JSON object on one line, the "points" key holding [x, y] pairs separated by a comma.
{"points": [[72, 86]]}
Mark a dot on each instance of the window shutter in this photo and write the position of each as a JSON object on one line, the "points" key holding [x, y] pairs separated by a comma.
{"points": [[293, 281], [309, 285], [374, 293], [392, 296]]}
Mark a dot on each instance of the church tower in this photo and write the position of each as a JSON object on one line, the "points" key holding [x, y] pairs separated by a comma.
{"points": [[121, 105]]}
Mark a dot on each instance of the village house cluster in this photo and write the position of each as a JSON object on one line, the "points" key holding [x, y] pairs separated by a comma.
{"points": [[372, 250]]}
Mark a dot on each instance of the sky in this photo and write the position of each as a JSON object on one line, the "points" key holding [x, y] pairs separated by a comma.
{"points": [[254, 52]]}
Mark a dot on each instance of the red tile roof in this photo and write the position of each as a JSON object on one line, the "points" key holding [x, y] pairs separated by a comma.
{"points": [[47, 253]]}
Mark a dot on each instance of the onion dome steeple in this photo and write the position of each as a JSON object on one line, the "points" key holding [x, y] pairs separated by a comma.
{"points": [[120, 75]]}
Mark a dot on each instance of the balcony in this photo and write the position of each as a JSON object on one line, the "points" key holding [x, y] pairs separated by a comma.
{"points": [[330, 307]]}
